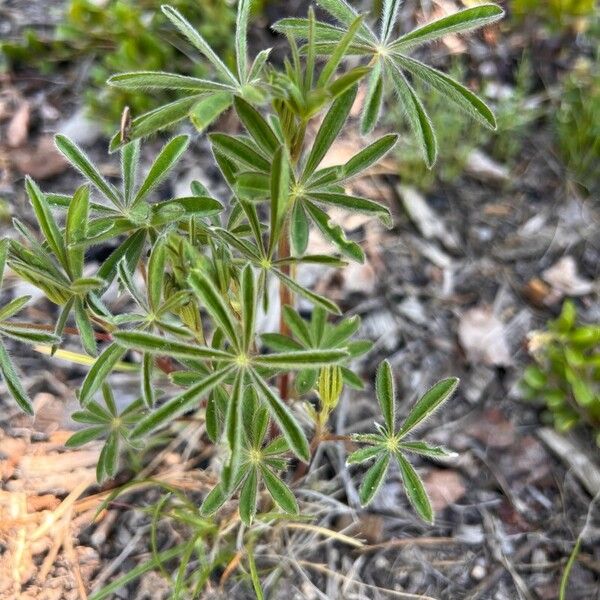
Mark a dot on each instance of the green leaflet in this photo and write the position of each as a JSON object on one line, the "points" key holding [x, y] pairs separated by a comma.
{"points": [[451, 89], [301, 359], [179, 404], [249, 305], [82, 163], [280, 182], [463, 20], [429, 403], [237, 149], [417, 117], [289, 426], [156, 120], [373, 100], [163, 163], [280, 492], [99, 371], [186, 29], [13, 383], [141, 80], [415, 490], [207, 110], [330, 128], [148, 342], [373, 479], [384, 386], [214, 303]]}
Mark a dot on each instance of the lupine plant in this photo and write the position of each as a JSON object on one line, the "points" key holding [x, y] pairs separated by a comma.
{"points": [[198, 270]]}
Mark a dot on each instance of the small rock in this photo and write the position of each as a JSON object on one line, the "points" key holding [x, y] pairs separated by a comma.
{"points": [[483, 337], [18, 128], [80, 128], [41, 161], [564, 278], [482, 167], [444, 487]]}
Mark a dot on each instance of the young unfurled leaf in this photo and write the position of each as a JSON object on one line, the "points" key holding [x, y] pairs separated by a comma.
{"points": [[388, 18], [179, 404], [415, 490], [328, 132], [373, 479], [280, 492], [289, 426], [13, 383], [417, 117], [384, 385], [459, 22], [429, 403]]}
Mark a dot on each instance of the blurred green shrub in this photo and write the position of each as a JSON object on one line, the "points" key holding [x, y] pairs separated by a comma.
{"points": [[557, 14], [578, 125], [122, 35], [566, 374]]}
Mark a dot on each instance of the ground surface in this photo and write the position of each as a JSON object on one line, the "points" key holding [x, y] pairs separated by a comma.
{"points": [[454, 288]]}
